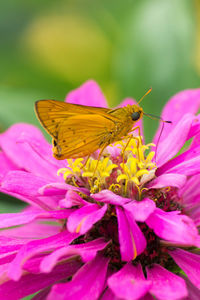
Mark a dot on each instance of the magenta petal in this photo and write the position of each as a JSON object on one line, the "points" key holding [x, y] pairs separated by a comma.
{"points": [[72, 199], [32, 231], [187, 163], [195, 215], [109, 197], [58, 188], [175, 140], [189, 263], [15, 219], [10, 244], [129, 283], [165, 180], [23, 184], [187, 101], [108, 295], [173, 227], [131, 239], [84, 218], [88, 93], [6, 165], [193, 291], [190, 192], [34, 247], [32, 283], [87, 283], [87, 251], [26, 141], [166, 285], [140, 211]]}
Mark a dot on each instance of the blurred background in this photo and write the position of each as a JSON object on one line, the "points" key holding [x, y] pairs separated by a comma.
{"points": [[50, 47]]}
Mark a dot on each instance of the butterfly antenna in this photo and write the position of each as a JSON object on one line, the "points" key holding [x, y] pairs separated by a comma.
{"points": [[145, 95], [163, 123]]}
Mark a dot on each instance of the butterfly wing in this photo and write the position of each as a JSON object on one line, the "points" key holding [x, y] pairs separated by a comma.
{"points": [[76, 130], [52, 113]]}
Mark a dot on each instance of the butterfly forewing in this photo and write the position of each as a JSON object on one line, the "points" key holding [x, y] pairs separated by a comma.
{"points": [[51, 113], [76, 130]]}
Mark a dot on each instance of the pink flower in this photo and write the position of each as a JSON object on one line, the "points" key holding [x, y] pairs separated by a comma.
{"points": [[128, 233]]}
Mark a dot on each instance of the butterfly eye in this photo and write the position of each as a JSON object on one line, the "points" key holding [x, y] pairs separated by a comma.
{"points": [[135, 116]]}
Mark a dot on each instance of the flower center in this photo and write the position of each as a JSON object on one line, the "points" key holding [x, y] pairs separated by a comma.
{"points": [[125, 174]]}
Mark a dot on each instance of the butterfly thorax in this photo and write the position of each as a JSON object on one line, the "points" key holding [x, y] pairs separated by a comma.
{"points": [[125, 121]]}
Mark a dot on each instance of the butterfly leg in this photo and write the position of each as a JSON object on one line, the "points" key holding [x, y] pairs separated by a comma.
{"points": [[85, 162], [129, 139], [100, 153], [123, 151]]}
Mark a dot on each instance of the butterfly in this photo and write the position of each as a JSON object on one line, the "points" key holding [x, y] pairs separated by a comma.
{"points": [[79, 130]]}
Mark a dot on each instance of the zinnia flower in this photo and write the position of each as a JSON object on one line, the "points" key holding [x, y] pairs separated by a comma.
{"points": [[130, 232]]}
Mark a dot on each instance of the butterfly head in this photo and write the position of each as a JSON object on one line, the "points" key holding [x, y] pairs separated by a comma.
{"points": [[137, 113]]}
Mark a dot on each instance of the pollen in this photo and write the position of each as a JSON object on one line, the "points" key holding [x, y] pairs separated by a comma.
{"points": [[73, 169], [134, 167], [102, 169], [139, 166]]}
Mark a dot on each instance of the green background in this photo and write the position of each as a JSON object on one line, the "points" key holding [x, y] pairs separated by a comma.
{"points": [[49, 47]]}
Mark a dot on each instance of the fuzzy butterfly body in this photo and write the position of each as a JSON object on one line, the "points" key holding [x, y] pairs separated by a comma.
{"points": [[79, 130]]}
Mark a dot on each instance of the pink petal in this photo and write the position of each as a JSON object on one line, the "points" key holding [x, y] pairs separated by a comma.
{"points": [[189, 263], [129, 283], [84, 218], [26, 185], [11, 244], [72, 199], [23, 183], [140, 211], [131, 239], [88, 93], [190, 192], [173, 227], [6, 258], [190, 198], [34, 247], [6, 165], [187, 163], [108, 295], [166, 285], [32, 283], [187, 101], [195, 214], [25, 141], [32, 231], [165, 180], [193, 291], [32, 265], [58, 188], [87, 283], [15, 219], [109, 197], [194, 131], [87, 251], [175, 139]]}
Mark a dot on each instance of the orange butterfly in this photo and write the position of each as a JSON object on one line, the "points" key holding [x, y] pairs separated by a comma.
{"points": [[79, 130]]}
